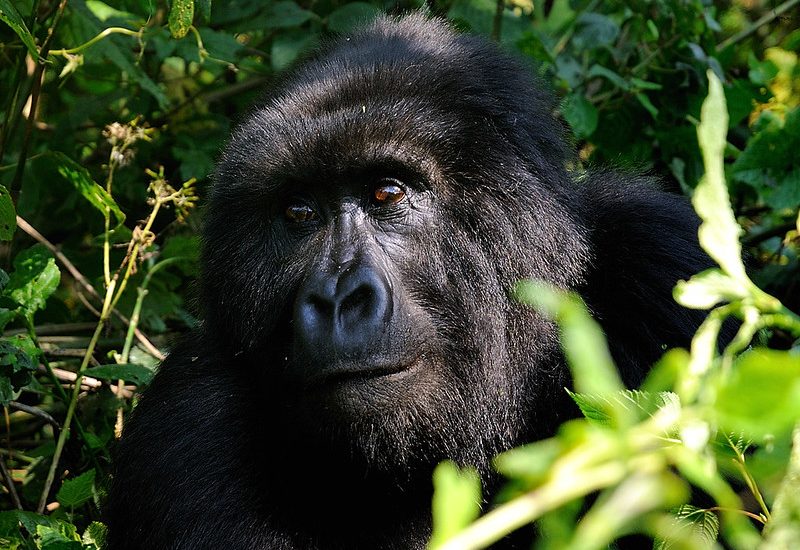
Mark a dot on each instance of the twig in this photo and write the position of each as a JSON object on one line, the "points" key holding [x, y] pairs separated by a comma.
{"points": [[84, 282], [38, 77], [497, 24], [9, 483], [37, 412], [766, 18]]}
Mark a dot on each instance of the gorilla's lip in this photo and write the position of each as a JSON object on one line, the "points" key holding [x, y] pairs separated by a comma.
{"points": [[358, 372]]}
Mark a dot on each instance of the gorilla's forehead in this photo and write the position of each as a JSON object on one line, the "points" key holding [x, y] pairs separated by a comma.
{"points": [[440, 103]]}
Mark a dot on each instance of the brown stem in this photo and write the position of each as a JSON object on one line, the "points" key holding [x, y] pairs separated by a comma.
{"points": [[84, 282]]}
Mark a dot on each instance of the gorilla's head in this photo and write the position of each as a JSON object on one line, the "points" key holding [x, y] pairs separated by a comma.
{"points": [[367, 224]]}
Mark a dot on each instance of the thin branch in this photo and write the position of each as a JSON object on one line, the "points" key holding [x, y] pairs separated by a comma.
{"points": [[38, 78], [84, 282], [767, 18], [9, 483], [497, 24]]}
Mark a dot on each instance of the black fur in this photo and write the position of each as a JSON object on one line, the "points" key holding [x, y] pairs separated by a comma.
{"points": [[237, 443]]}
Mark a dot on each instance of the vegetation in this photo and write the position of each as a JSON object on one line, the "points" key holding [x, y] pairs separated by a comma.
{"points": [[111, 115]]}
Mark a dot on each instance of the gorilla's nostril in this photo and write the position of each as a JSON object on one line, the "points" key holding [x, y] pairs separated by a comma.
{"points": [[357, 305]]}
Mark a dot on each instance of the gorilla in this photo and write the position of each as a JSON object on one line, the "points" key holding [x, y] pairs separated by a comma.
{"points": [[366, 227]]}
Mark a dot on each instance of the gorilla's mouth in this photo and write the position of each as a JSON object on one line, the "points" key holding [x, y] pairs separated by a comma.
{"points": [[348, 372]]}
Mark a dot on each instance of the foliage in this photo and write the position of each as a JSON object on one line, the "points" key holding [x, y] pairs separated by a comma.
{"points": [[111, 114]]}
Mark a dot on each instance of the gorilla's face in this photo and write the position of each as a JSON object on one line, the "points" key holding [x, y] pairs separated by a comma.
{"points": [[377, 222]]}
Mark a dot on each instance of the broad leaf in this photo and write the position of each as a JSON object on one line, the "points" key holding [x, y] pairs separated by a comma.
{"points": [[34, 279], [76, 491]]}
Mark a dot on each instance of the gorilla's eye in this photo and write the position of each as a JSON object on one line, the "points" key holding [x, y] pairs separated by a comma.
{"points": [[388, 192], [299, 213]]}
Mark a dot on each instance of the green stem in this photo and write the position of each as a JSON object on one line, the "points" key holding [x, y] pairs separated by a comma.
{"points": [[96, 39]]}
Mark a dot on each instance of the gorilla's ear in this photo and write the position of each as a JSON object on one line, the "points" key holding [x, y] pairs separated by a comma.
{"points": [[644, 241]]}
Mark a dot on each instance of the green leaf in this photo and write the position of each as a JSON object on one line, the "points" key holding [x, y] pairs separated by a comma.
{"points": [[532, 462], [8, 216], [719, 232], [580, 114], [692, 523], [284, 14], [130, 372], [34, 279], [18, 362], [95, 534], [350, 16], [645, 102], [761, 396], [614, 78], [783, 529], [10, 15], [599, 408], [707, 289], [76, 491], [181, 15], [204, 9], [80, 178], [594, 30], [456, 501], [289, 45], [587, 353], [120, 56]]}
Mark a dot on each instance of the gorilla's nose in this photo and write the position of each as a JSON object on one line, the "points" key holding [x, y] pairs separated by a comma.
{"points": [[342, 313]]}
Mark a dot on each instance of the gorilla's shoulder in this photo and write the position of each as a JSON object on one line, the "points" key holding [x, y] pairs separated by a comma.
{"points": [[645, 241]]}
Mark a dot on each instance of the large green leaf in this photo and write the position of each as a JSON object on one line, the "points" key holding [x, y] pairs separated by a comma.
{"points": [[10, 15], [761, 397], [80, 178], [35, 278]]}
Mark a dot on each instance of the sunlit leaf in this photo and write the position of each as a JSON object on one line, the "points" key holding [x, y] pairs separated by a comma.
{"points": [[719, 232], [456, 501], [761, 396], [181, 15]]}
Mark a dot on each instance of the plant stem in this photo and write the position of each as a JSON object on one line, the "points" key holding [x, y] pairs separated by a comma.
{"points": [[98, 38]]}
